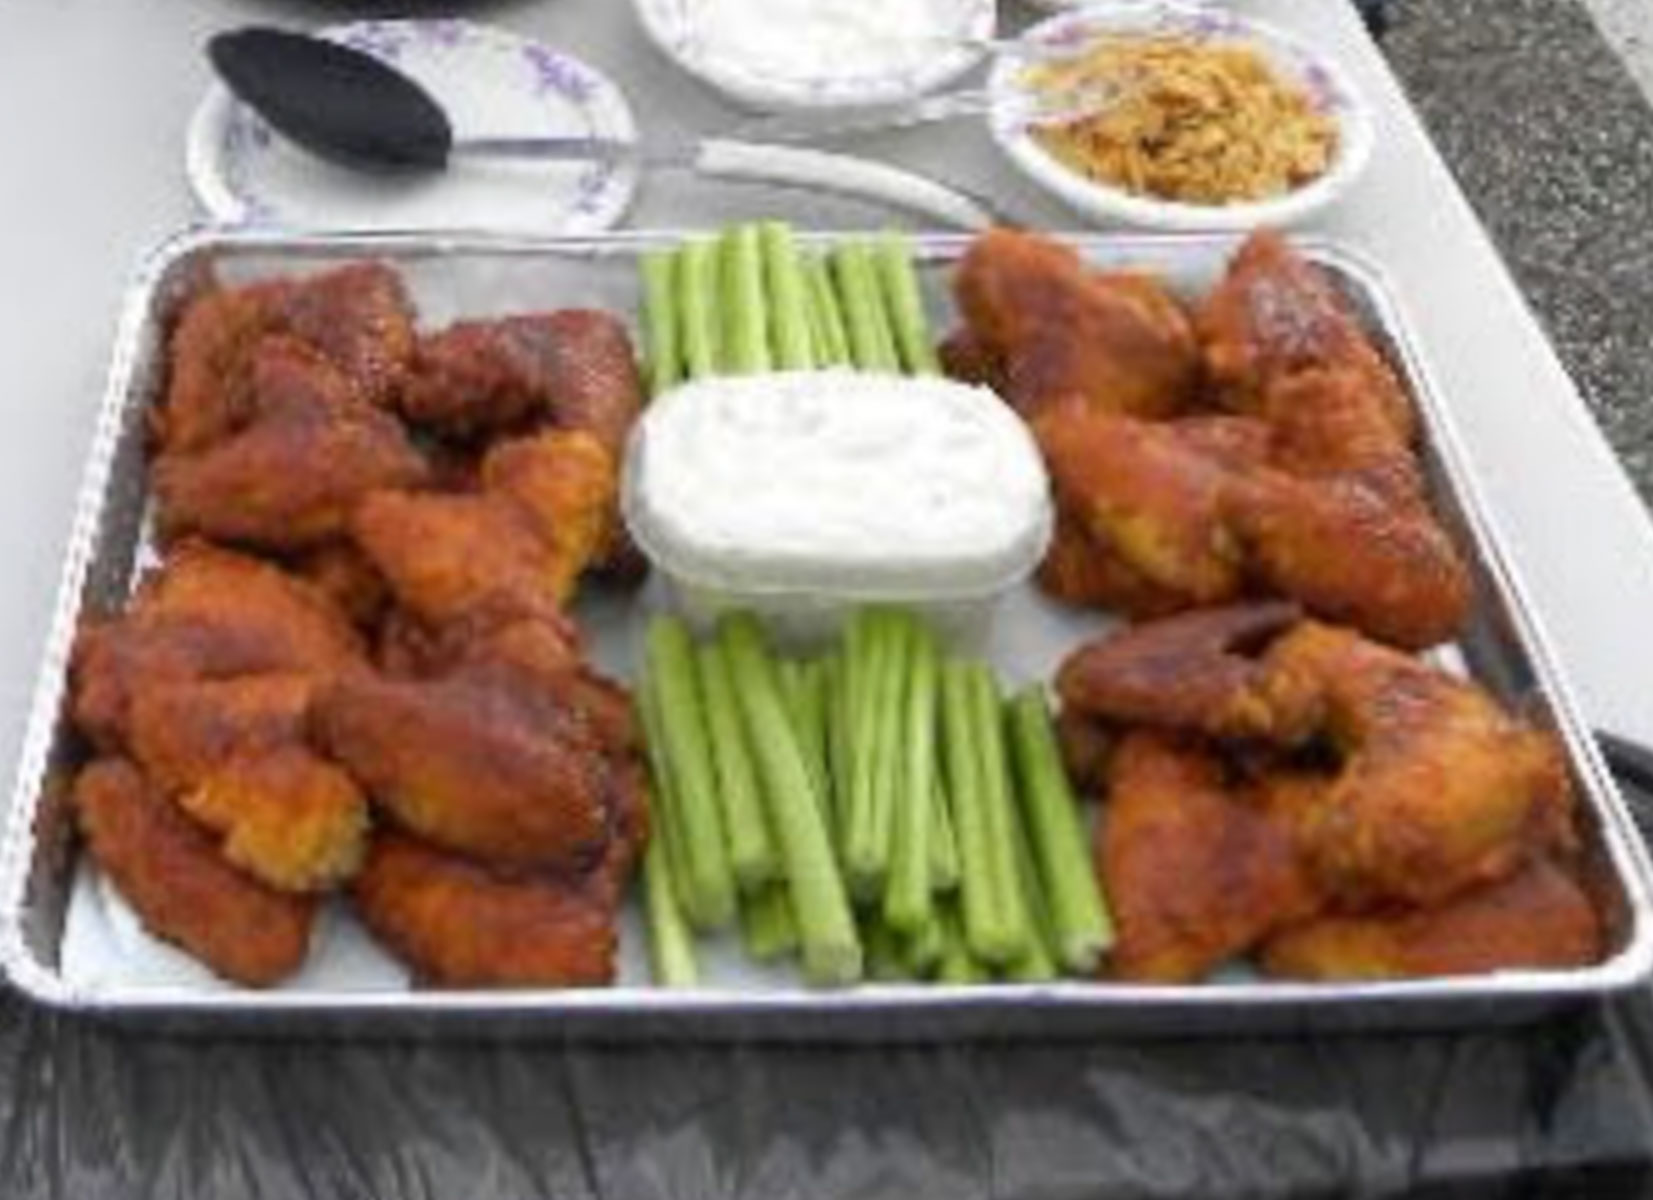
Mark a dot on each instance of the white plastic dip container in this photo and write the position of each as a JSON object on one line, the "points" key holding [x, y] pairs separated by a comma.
{"points": [[798, 495]]}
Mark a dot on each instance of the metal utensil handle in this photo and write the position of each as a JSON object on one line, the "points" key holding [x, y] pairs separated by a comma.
{"points": [[546, 149], [727, 159]]}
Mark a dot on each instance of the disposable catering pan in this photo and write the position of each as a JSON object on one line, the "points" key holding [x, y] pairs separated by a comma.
{"points": [[43, 880]]}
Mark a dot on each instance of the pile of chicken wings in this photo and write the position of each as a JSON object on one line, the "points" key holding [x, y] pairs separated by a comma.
{"points": [[351, 668], [1284, 776]]}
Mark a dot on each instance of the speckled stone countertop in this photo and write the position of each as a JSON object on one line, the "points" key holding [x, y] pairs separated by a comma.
{"points": [[1553, 142]]}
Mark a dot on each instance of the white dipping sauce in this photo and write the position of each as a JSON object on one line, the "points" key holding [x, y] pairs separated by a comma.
{"points": [[814, 39], [839, 481]]}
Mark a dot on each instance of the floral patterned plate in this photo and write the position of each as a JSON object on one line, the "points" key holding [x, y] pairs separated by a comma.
{"points": [[491, 82]]}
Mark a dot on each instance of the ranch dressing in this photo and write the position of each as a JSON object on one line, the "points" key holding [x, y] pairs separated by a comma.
{"points": [[818, 39], [838, 481]]}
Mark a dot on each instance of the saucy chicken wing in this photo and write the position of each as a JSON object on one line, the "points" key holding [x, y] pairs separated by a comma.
{"points": [[459, 925], [471, 766], [181, 731], [206, 613], [1538, 917], [567, 484], [183, 890], [1195, 874], [292, 475], [1058, 332], [1274, 315], [1436, 788], [357, 316]]}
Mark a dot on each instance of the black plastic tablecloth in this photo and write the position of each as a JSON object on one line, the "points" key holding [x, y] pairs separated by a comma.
{"points": [[1555, 1109]]}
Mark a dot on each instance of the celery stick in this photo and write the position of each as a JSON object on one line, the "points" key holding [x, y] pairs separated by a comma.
{"points": [[752, 851], [868, 856], [907, 894], [924, 949], [813, 725], [836, 729], [665, 803], [904, 302], [957, 965], [944, 852], [1056, 834], [826, 928], [1037, 962], [698, 304], [767, 929], [999, 814], [677, 694], [789, 334], [671, 948], [793, 677], [660, 320], [832, 340], [866, 650], [988, 922], [871, 342], [745, 319], [886, 956]]}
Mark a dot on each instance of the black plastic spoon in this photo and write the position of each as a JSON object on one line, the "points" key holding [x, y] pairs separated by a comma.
{"points": [[348, 107]]}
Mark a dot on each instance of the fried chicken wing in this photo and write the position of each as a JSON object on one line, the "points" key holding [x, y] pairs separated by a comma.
{"points": [[287, 817], [1061, 332], [291, 476], [595, 383], [183, 890], [1195, 874], [1150, 496], [342, 573], [1082, 569], [445, 556], [459, 925], [472, 767], [1436, 789], [1274, 315], [357, 316], [1332, 424], [181, 731], [207, 613], [1350, 557], [1537, 918], [477, 377], [567, 484]]}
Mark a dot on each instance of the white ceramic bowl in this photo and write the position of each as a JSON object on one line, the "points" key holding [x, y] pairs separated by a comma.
{"points": [[671, 26], [1325, 82]]}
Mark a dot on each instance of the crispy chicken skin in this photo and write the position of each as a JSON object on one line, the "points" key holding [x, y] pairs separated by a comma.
{"points": [[356, 316], [287, 817], [207, 613], [1274, 315], [1436, 788], [459, 925], [1140, 488], [181, 731], [445, 556], [469, 765], [1348, 556], [342, 573], [1332, 424], [290, 477], [567, 485], [182, 888], [1195, 874], [1061, 332], [1537, 918]]}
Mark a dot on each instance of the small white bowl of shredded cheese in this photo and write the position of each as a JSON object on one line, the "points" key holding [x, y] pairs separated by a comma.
{"points": [[788, 54], [799, 494]]}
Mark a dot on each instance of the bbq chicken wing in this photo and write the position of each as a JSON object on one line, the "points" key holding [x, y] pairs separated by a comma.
{"points": [[357, 317], [1058, 332], [291, 477], [1537, 918], [459, 925], [447, 556], [471, 767], [1194, 873], [567, 484], [478, 377], [1275, 315], [1436, 788], [183, 890], [207, 613]]}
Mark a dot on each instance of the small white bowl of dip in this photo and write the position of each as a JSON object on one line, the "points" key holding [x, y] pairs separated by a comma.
{"points": [[799, 495], [789, 54]]}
